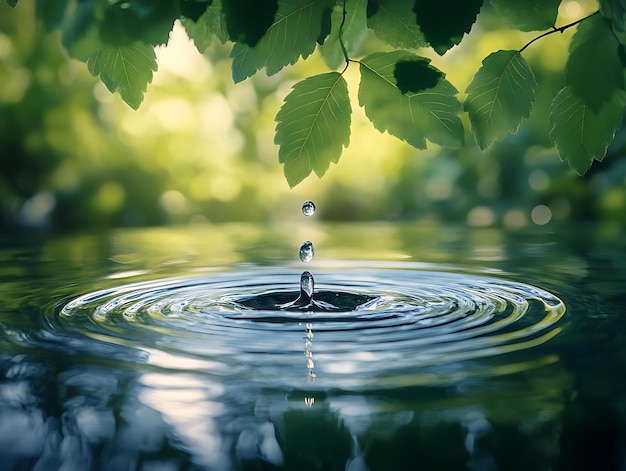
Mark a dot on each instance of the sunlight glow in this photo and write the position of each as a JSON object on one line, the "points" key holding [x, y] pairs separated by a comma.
{"points": [[174, 114], [181, 58]]}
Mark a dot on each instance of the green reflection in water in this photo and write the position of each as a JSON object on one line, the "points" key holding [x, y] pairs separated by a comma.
{"points": [[557, 405]]}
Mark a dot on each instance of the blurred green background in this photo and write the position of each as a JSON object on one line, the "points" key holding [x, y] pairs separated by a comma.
{"points": [[200, 148]]}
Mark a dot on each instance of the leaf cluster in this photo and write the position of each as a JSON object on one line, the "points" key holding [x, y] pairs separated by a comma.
{"points": [[400, 91]]}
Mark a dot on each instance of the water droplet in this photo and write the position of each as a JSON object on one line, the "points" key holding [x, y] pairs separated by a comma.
{"points": [[309, 364], [307, 251], [307, 284], [308, 208]]}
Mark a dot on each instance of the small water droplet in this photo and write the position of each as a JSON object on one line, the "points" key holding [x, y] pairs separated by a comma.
{"points": [[307, 251], [309, 364], [308, 208]]}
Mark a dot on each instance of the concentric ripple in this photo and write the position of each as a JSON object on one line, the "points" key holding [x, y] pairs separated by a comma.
{"points": [[394, 326]]}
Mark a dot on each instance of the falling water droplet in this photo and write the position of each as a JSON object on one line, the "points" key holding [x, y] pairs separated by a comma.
{"points": [[307, 251], [308, 208]]}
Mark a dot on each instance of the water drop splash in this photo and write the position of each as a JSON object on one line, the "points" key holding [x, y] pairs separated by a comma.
{"points": [[308, 208], [307, 251], [305, 301], [305, 298], [307, 285], [396, 325]]}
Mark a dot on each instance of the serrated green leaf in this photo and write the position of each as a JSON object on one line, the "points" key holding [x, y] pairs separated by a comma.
{"points": [[208, 27], [292, 35], [500, 95], [444, 22], [125, 69], [527, 15], [313, 125], [393, 21], [413, 117], [579, 134], [594, 70], [352, 32]]}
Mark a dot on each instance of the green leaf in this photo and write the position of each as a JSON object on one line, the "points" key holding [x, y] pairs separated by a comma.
{"points": [[292, 35], [193, 9], [125, 69], [500, 95], [209, 26], [80, 34], [138, 20], [352, 32], [12, 3], [444, 22], [594, 70], [393, 21], [416, 75], [248, 20], [50, 12], [313, 125], [579, 134], [325, 26], [527, 15], [615, 10], [430, 114]]}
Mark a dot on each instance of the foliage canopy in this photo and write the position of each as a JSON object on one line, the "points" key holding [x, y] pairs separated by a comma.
{"points": [[400, 91]]}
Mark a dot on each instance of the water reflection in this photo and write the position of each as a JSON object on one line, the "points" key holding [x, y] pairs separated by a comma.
{"points": [[90, 417], [168, 388]]}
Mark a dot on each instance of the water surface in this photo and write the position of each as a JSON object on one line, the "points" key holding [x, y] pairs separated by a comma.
{"points": [[453, 349]]}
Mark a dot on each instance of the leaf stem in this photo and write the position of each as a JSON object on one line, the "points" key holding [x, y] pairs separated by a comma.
{"points": [[557, 30]]}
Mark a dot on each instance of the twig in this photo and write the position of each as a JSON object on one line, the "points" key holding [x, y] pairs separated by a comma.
{"points": [[343, 46], [557, 30]]}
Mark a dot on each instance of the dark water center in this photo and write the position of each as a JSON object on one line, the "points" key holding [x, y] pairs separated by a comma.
{"points": [[430, 348]]}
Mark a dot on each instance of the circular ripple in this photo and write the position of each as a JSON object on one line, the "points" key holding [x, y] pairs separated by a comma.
{"points": [[402, 327]]}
